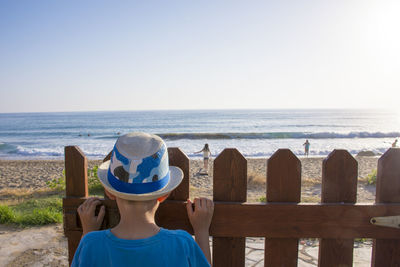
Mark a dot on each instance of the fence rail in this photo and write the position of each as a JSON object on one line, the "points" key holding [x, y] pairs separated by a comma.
{"points": [[337, 220]]}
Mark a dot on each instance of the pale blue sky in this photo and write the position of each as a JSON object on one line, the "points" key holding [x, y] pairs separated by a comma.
{"points": [[134, 55]]}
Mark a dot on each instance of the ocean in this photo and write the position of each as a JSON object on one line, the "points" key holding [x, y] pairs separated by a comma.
{"points": [[255, 133]]}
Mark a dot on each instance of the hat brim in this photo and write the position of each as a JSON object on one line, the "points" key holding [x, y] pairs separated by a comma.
{"points": [[176, 176]]}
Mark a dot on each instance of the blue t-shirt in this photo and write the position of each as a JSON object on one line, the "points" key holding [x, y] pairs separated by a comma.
{"points": [[166, 248]]}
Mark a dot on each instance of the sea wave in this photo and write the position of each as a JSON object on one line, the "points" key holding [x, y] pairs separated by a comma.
{"points": [[19, 151], [7, 148], [107, 136], [278, 135], [41, 152]]}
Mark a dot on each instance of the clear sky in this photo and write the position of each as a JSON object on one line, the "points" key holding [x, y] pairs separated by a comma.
{"points": [[135, 55]]}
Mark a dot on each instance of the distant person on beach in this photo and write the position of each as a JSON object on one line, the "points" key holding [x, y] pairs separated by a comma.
{"points": [[206, 156], [306, 147], [138, 177], [394, 143]]}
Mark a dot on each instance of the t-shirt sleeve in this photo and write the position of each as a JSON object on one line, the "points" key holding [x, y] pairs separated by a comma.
{"points": [[83, 255], [196, 255], [78, 254]]}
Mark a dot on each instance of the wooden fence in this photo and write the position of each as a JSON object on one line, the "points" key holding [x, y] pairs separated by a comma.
{"points": [[336, 221]]}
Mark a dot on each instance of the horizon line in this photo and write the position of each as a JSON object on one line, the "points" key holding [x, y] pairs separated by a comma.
{"points": [[205, 109]]}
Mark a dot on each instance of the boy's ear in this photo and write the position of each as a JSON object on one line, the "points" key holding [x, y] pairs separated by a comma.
{"points": [[110, 196], [163, 198]]}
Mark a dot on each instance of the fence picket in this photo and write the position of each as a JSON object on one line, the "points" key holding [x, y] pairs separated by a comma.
{"points": [[283, 185], [107, 158], [339, 185], [230, 184], [75, 172], [386, 252], [179, 159], [76, 185]]}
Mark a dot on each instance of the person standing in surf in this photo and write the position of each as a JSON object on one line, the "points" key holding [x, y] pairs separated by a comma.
{"points": [[306, 147], [206, 156]]}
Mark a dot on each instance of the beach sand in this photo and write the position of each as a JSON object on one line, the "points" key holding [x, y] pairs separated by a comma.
{"points": [[201, 185], [20, 177], [31, 175]]}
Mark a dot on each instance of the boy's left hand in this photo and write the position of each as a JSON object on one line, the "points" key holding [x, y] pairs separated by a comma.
{"points": [[86, 212], [200, 218]]}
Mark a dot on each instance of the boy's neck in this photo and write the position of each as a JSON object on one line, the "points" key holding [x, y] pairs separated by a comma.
{"points": [[136, 223]]}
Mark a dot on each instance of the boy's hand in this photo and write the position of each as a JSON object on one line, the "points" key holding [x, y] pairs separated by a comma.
{"points": [[86, 211], [201, 216]]}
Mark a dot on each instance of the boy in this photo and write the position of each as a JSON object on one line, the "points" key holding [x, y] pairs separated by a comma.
{"points": [[138, 178]]}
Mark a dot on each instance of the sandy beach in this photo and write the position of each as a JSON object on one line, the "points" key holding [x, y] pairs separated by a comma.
{"points": [[31, 175], [20, 177], [201, 185]]}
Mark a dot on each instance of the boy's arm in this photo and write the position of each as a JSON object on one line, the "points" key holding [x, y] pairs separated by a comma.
{"points": [[200, 218], [86, 212]]}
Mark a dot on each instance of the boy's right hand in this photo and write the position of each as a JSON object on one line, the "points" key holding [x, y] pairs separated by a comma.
{"points": [[201, 216], [90, 222]]}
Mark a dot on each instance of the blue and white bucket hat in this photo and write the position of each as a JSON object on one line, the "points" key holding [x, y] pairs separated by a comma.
{"points": [[139, 168]]}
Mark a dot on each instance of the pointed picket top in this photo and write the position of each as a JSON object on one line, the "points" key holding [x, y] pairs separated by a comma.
{"points": [[283, 185], [339, 177], [339, 184], [387, 252], [230, 176], [75, 172], [283, 177], [179, 159], [388, 177], [230, 184], [108, 157]]}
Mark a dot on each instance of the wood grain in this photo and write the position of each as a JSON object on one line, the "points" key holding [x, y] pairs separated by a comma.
{"points": [[76, 185], [179, 159], [387, 252], [276, 220], [75, 172], [107, 158], [283, 185], [339, 185], [230, 184]]}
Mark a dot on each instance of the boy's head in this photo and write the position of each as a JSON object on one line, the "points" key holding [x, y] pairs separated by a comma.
{"points": [[139, 169], [126, 206]]}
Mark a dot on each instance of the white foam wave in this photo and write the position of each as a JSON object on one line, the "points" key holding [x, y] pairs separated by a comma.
{"points": [[52, 152], [248, 147]]}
